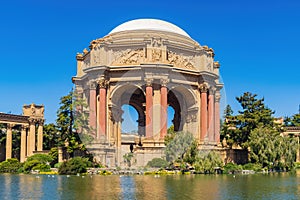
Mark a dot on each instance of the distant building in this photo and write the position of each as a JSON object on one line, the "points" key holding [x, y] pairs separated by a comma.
{"points": [[31, 139]]}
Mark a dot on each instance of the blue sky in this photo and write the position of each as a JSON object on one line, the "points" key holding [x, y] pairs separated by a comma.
{"points": [[256, 43]]}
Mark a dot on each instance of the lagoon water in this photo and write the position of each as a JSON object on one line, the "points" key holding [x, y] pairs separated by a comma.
{"points": [[257, 186]]}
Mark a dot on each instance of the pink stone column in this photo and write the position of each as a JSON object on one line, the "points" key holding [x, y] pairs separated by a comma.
{"points": [[203, 112], [211, 116], [92, 106], [102, 111], [217, 118], [164, 107], [149, 105]]}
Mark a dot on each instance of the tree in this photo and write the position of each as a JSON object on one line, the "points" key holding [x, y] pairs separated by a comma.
{"points": [[170, 135], [269, 149], [81, 119], [293, 121], [65, 118], [2, 134], [228, 127], [65, 122], [254, 114], [228, 111], [50, 136], [207, 162], [179, 146]]}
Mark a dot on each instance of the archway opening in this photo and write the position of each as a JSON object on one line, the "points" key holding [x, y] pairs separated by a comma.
{"points": [[171, 113], [174, 111], [130, 120]]}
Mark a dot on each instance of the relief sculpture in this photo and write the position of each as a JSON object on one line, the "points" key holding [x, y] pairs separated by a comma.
{"points": [[180, 61], [131, 57]]}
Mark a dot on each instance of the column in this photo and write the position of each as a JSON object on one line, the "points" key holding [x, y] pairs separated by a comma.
{"points": [[203, 89], [8, 141], [149, 107], [102, 108], [164, 107], [40, 135], [27, 143], [31, 141], [92, 106], [217, 117], [211, 115], [23, 144]]}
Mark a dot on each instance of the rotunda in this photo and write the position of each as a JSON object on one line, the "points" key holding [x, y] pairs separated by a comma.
{"points": [[148, 64]]}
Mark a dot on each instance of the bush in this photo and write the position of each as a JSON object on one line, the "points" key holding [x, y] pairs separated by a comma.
{"points": [[74, 166], [43, 158], [252, 166], [297, 165], [231, 168], [10, 166], [208, 163], [40, 162], [157, 163], [54, 155], [57, 165]]}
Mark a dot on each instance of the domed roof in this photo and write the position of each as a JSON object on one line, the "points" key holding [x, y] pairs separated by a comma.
{"points": [[149, 24]]}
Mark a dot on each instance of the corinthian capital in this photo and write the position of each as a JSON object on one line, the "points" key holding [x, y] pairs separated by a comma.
{"points": [[32, 120], [102, 82], [10, 126], [149, 82], [40, 122], [212, 90], [92, 84], [164, 82], [203, 87], [24, 127], [217, 96]]}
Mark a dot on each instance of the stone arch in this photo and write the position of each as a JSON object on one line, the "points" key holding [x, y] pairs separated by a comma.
{"points": [[132, 95], [183, 100]]}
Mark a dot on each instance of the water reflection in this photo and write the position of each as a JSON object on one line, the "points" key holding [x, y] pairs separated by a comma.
{"points": [[258, 186]]}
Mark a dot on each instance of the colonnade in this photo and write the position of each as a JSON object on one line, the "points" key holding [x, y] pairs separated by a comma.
{"points": [[28, 138], [209, 114], [156, 104]]}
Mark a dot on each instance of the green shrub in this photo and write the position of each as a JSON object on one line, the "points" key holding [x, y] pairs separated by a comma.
{"points": [[252, 166], [43, 158], [40, 162], [10, 166], [208, 163], [57, 165], [297, 165], [74, 166], [230, 168], [54, 155], [157, 163]]}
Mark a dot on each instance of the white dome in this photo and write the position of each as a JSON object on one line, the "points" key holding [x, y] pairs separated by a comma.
{"points": [[149, 24]]}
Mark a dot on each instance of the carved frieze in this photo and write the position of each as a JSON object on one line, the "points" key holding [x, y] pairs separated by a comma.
{"points": [[130, 57], [180, 61]]}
